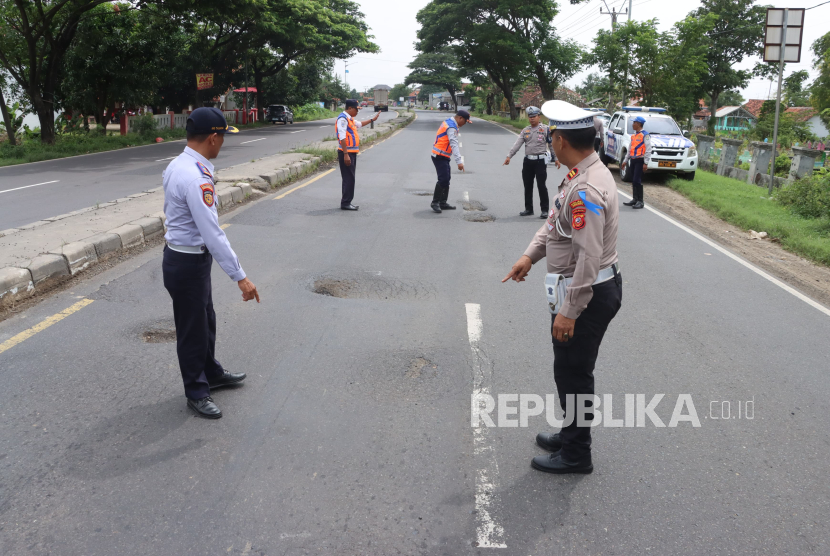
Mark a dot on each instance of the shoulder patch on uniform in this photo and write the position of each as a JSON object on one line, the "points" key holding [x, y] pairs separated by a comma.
{"points": [[203, 169], [573, 173], [577, 203], [578, 219], [207, 194]]}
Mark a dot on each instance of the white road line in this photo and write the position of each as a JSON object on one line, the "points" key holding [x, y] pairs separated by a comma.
{"points": [[739, 260], [163, 159], [28, 186], [298, 131], [252, 140], [489, 534], [466, 196]]}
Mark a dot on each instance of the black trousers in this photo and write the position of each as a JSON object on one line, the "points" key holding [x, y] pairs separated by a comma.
{"points": [[187, 279], [442, 186], [574, 360], [348, 175], [535, 169], [637, 179]]}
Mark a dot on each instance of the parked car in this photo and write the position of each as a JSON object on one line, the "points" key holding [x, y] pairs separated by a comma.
{"points": [[443, 106], [671, 150], [604, 118], [279, 113]]}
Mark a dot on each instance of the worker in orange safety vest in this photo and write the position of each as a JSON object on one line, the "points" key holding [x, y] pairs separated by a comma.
{"points": [[445, 146]]}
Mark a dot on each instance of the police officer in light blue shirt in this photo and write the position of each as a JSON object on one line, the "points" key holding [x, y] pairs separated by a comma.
{"points": [[194, 239]]}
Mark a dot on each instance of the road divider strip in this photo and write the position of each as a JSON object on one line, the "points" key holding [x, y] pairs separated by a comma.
{"points": [[43, 325], [734, 257]]}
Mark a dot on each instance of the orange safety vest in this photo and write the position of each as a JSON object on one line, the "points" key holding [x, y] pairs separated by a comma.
{"points": [[441, 147], [352, 138], [638, 144]]}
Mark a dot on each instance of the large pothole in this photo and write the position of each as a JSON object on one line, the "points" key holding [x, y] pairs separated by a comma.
{"points": [[159, 335], [473, 205], [478, 217], [371, 286], [421, 192]]}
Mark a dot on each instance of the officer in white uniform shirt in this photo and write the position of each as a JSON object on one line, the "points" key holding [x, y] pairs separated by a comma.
{"points": [[194, 239]]}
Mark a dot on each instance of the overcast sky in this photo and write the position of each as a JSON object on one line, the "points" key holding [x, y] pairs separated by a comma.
{"points": [[394, 31]]}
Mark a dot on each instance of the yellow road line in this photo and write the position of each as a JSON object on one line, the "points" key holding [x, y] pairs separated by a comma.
{"points": [[43, 325], [225, 226], [309, 182]]}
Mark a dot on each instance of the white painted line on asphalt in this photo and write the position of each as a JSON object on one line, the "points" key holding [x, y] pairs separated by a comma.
{"points": [[28, 186], [252, 140], [298, 131], [734, 257], [466, 196], [163, 159], [489, 534]]}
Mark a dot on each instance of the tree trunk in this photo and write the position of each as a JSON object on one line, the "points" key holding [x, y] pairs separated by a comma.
{"points": [[548, 89], [7, 120], [710, 125], [489, 101], [46, 116], [260, 109], [508, 96]]}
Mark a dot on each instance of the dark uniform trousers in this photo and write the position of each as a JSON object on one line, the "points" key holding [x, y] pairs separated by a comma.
{"points": [[535, 169], [442, 187], [348, 174], [574, 360], [187, 279], [637, 177]]}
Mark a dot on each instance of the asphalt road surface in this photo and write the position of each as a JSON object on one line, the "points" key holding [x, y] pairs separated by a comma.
{"points": [[31, 192], [352, 434]]}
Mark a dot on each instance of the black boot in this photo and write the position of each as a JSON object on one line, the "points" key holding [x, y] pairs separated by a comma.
{"points": [[445, 194], [437, 197], [631, 202]]}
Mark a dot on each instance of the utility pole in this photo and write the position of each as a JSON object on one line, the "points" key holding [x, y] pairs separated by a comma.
{"points": [[614, 13], [347, 64]]}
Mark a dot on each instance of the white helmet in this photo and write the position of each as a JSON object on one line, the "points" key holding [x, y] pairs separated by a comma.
{"points": [[532, 111]]}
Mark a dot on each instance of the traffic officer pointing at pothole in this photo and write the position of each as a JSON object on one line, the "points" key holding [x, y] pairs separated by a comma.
{"points": [[348, 148], [583, 284], [194, 239], [537, 143], [446, 145]]}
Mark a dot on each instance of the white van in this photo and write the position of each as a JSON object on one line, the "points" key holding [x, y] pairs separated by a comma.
{"points": [[671, 150]]}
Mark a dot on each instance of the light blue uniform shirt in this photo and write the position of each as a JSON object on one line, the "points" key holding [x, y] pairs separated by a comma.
{"points": [[190, 209]]}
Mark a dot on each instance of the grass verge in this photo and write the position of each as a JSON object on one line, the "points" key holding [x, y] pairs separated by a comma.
{"points": [[32, 150], [327, 155], [748, 207], [519, 124]]}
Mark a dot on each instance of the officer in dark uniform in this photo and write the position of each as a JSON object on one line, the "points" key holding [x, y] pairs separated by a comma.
{"points": [[194, 238]]}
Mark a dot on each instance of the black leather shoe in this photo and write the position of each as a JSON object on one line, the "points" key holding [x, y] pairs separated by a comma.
{"points": [[349, 207], [204, 408], [638, 205], [526, 213], [436, 207], [550, 441], [227, 379], [446, 206], [553, 463], [630, 203], [544, 214]]}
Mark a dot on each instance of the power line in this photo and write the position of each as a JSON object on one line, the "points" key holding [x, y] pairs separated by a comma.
{"points": [[567, 17], [581, 20], [817, 5]]}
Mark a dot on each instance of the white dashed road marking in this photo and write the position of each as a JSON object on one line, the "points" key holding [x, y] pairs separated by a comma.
{"points": [[489, 534], [28, 186], [252, 140]]}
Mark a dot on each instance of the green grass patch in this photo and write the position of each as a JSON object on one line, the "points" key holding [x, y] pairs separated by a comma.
{"points": [[748, 207], [309, 112], [519, 124], [32, 150], [327, 155]]}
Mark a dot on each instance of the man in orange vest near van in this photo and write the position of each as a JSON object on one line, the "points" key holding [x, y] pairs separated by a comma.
{"points": [[348, 150], [446, 145], [638, 153]]}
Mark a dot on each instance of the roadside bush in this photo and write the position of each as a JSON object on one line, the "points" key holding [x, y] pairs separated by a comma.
{"points": [[312, 111], [782, 165], [145, 126], [809, 197]]}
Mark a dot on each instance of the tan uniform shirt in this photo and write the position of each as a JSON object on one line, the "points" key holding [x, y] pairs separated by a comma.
{"points": [[535, 141], [592, 222]]}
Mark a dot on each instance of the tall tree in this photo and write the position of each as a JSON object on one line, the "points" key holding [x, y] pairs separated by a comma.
{"points": [[593, 87], [439, 68], [737, 33], [820, 88], [8, 117], [795, 91], [289, 30], [557, 60]]}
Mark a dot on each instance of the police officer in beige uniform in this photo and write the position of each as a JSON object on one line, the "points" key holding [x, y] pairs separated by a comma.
{"points": [[536, 141], [583, 284]]}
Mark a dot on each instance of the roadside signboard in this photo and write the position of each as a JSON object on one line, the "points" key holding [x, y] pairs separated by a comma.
{"points": [[204, 81], [781, 22]]}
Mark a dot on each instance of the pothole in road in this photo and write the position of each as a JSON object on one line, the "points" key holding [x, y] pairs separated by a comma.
{"points": [[421, 192], [478, 217], [159, 335], [420, 366], [473, 205], [371, 286]]}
